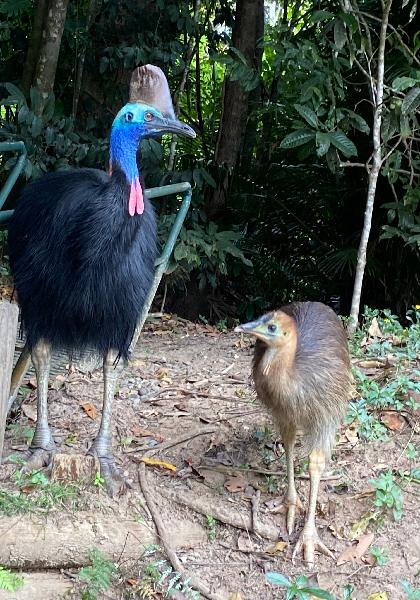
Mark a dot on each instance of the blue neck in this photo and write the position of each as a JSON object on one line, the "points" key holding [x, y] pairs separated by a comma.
{"points": [[123, 150]]}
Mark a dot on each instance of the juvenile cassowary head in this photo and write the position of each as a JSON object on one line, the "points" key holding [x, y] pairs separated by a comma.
{"points": [[148, 113], [275, 329]]}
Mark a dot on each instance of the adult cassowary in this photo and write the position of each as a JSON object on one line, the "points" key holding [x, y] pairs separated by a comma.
{"points": [[82, 247]]}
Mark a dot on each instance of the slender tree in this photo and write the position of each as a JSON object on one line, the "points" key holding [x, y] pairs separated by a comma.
{"points": [[49, 49]]}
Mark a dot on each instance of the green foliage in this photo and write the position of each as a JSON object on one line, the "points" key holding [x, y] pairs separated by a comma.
{"points": [[299, 589], [35, 494], [50, 139], [10, 581], [97, 577], [388, 495], [169, 581], [202, 247]]}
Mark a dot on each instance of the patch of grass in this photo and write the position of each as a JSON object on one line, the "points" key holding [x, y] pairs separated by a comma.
{"points": [[35, 493], [99, 481], [10, 581], [299, 589], [388, 496], [98, 577]]}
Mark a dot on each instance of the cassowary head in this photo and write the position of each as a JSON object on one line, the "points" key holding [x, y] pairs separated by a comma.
{"points": [[148, 113], [275, 329]]}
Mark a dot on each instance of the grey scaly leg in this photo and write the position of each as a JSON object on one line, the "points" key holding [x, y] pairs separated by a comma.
{"points": [[42, 448], [115, 480], [309, 540]]}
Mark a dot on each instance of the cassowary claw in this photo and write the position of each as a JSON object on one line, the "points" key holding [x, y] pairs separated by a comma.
{"points": [[37, 459], [309, 542]]}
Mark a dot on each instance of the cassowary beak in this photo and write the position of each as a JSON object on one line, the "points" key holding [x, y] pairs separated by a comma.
{"points": [[161, 125], [248, 327]]}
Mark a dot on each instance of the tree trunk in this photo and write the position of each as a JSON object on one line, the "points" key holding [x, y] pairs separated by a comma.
{"points": [[254, 99], [32, 53], [8, 327], [82, 56], [50, 49], [235, 100], [373, 173]]}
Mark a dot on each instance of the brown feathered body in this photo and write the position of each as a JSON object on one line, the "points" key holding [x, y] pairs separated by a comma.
{"points": [[306, 382]]}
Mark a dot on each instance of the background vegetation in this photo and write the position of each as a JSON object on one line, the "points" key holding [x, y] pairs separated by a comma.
{"points": [[282, 97]]}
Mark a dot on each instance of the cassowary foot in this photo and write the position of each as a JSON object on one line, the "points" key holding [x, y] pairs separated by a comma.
{"points": [[37, 458], [292, 506], [116, 482], [309, 542]]}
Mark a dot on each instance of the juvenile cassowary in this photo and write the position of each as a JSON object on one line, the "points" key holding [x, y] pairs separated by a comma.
{"points": [[82, 247], [301, 371]]}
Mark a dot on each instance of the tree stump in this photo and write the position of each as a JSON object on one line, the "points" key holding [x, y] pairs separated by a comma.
{"points": [[8, 326]]}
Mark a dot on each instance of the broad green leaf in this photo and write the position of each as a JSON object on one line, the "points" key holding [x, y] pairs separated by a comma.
{"points": [[277, 579], [297, 138], [340, 36], [319, 593], [208, 178], [402, 83], [308, 114], [16, 96], [322, 143], [343, 143], [321, 15], [411, 101]]}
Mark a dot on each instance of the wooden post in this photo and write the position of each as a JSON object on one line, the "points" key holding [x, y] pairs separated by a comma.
{"points": [[8, 327]]}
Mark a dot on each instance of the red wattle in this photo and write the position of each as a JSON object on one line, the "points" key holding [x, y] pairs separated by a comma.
{"points": [[139, 195], [133, 200]]}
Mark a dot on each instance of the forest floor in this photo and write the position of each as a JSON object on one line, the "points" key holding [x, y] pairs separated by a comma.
{"points": [[186, 401]]}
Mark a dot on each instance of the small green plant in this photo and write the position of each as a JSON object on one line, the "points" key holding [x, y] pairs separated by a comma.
{"points": [[300, 589], [348, 591], [211, 527], [222, 325], [412, 593], [380, 555], [99, 481], [411, 451], [98, 577], [271, 484], [388, 495], [172, 582], [10, 581]]}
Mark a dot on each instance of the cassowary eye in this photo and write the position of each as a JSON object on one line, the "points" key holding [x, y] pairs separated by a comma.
{"points": [[129, 116], [148, 116], [272, 328]]}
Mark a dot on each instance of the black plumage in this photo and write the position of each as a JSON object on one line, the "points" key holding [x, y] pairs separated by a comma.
{"points": [[82, 267], [82, 247]]}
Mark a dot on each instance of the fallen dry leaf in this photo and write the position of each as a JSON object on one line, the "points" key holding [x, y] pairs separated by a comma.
{"points": [[374, 329], [351, 435], [235, 484], [355, 552], [132, 581], [141, 432], [29, 410], [90, 410], [337, 531], [378, 596], [392, 420], [154, 462], [236, 596], [360, 526], [276, 548], [371, 364]]}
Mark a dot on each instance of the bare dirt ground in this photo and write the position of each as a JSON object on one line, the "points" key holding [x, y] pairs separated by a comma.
{"points": [[186, 399]]}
